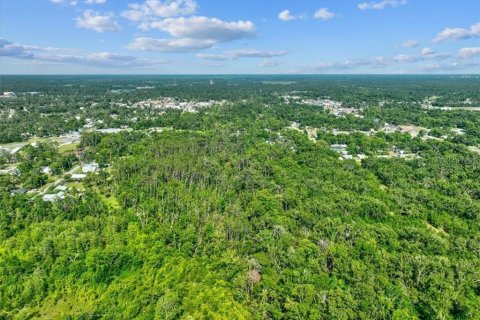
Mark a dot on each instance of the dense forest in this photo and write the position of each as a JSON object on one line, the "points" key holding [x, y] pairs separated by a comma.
{"points": [[233, 212]]}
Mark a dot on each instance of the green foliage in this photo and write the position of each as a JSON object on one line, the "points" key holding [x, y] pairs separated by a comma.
{"points": [[231, 214]]}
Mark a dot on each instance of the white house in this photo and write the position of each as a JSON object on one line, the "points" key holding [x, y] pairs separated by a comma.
{"points": [[53, 197], [338, 147], [78, 176], [61, 188], [46, 170], [90, 167]]}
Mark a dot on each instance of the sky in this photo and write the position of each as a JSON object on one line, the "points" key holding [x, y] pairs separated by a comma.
{"points": [[239, 37]]}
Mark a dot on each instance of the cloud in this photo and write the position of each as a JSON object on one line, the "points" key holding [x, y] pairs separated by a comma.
{"points": [[377, 62], [458, 33], [75, 2], [465, 53], [327, 67], [285, 15], [170, 45], [242, 53], [97, 59], [410, 44], [95, 1], [449, 67], [94, 21], [72, 3], [402, 58], [192, 34], [427, 52], [324, 14], [204, 28], [214, 56], [253, 53], [269, 63], [153, 9], [10, 49], [381, 5]]}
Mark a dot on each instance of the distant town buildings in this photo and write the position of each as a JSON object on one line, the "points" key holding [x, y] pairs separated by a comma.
{"points": [[335, 107], [9, 95], [171, 103]]}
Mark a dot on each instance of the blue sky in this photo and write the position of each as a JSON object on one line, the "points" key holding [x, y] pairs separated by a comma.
{"points": [[221, 37]]}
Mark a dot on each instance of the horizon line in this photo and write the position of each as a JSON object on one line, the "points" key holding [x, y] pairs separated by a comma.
{"points": [[239, 74]]}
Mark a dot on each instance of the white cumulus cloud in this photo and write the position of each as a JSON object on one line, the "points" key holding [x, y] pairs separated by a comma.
{"points": [[469, 52], [427, 52], [204, 28], [458, 33], [94, 21], [152, 9], [285, 15], [381, 4], [324, 14], [192, 34]]}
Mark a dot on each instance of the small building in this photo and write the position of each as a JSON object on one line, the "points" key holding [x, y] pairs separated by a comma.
{"points": [[18, 191], [46, 170], [458, 131], [111, 130], [338, 147], [53, 197], [78, 176], [61, 188], [90, 167], [15, 150]]}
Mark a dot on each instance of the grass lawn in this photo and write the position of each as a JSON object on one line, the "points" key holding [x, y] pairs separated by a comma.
{"points": [[68, 147]]}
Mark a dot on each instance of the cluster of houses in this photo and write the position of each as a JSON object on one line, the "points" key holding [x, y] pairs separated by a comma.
{"points": [[400, 153], [53, 197], [341, 149], [335, 107], [60, 190], [60, 195], [171, 103], [395, 152], [86, 169]]}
